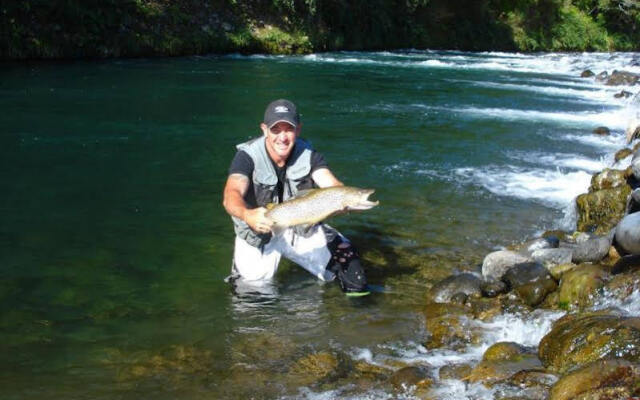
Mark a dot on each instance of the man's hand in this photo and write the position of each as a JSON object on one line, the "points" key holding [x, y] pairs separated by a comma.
{"points": [[256, 219]]}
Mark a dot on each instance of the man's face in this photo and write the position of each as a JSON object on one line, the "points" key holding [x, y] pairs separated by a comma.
{"points": [[280, 139]]}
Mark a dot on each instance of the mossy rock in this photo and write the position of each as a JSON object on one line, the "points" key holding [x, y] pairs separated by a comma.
{"points": [[321, 366], [448, 325], [607, 179], [603, 379], [455, 371], [623, 285], [492, 372], [580, 286], [502, 351], [406, 377], [600, 211], [577, 340], [622, 154], [557, 271]]}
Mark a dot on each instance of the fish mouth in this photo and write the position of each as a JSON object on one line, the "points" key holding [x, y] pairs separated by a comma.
{"points": [[364, 203]]}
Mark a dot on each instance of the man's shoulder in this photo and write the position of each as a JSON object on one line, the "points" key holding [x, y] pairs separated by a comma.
{"points": [[242, 164]]}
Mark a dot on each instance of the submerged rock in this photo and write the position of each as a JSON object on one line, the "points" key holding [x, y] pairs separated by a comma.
{"points": [[558, 270], [626, 263], [576, 340], [600, 380], [628, 233], [320, 366], [406, 377], [601, 130], [600, 211], [579, 286], [446, 289], [623, 93], [497, 263], [448, 325], [624, 284], [455, 371], [622, 78], [587, 73], [531, 282]]}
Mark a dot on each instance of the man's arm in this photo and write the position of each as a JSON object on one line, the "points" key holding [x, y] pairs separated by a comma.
{"points": [[323, 177], [233, 201]]}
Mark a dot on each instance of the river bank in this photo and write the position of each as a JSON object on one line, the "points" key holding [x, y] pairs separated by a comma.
{"points": [[159, 28]]}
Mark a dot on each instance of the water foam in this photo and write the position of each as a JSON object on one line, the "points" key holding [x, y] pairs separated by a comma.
{"points": [[554, 188]]}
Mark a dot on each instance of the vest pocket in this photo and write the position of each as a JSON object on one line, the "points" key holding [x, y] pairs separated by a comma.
{"points": [[263, 193]]}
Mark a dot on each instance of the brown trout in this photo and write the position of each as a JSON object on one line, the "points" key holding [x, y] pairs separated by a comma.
{"points": [[315, 205]]}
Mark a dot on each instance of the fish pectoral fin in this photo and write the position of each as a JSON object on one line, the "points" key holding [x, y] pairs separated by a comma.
{"points": [[269, 206]]}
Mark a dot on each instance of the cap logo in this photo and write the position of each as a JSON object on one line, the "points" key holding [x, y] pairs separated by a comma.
{"points": [[281, 109]]}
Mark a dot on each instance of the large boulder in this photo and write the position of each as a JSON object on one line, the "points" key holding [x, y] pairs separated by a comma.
{"points": [[446, 289], [579, 286], [601, 210], [576, 340], [628, 233], [497, 263], [532, 282], [622, 78], [599, 380]]}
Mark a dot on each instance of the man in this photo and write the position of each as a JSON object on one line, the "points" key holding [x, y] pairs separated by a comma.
{"points": [[271, 169]]}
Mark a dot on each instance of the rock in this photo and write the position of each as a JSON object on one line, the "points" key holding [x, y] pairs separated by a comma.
{"points": [[320, 366], [576, 340], [485, 308], [492, 288], [533, 377], [628, 233], [591, 248], [549, 242], [558, 270], [455, 371], [633, 203], [632, 133], [608, 178], [443, 291], [622, 154], [411, 376], [579, 286], [448, 325], [550, 257], [491, 372], [587, 73], [622, 78], [625, 264], [622, 94], [600, 211], [497, 263], [602, 130], [531, 282], [503, 351], [555, 235], [623, 285], [602, 76], [603, 379], [635, 164]]}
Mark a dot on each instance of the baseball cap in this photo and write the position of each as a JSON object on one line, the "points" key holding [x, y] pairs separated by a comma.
{"points": [[281, 110]]}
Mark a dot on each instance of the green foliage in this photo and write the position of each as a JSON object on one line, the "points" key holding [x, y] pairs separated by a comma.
{"points": [[123, 28]]}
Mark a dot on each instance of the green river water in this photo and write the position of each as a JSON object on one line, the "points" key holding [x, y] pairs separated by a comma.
{"points": [[114, 243]]}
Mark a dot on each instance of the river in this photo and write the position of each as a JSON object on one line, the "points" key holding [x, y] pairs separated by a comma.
{"points": [[114, 244]]}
